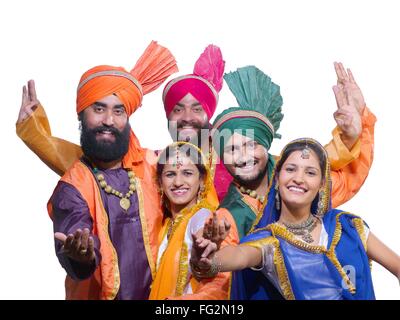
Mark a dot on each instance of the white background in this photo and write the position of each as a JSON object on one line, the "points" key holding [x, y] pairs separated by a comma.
{"points": [[295, 42]]}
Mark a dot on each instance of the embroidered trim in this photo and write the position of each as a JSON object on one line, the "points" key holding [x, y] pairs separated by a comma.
{"points": [[183, 271], [359, 225], [212, 161], [279, 263], [145, 233], [246, 114], [173, 81], [114, 259], [283, 233], [260, 213], [261, 242], [284, 281], [332, 256], [115, 73]]}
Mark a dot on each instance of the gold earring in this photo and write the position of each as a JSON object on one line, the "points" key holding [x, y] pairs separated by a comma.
{"points": [[161, 196], [321, 201], [200, 193]]}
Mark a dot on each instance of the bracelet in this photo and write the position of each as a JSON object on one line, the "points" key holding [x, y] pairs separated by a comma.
{"points": [[200, 273]]}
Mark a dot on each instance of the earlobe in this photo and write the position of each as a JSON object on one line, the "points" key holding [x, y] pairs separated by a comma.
{"points": [[202, 186]]}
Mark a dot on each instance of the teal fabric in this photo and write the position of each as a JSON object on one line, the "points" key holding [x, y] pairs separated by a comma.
{"points": [[260, 132], [254, 91]]}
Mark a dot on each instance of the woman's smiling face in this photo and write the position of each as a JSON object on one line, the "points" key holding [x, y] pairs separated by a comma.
{"points": [[181, 182], [299, 180]]}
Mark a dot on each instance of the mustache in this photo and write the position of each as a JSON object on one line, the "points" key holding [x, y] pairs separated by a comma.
{"points": [[113, 130], [184, 123], [241, 164]]}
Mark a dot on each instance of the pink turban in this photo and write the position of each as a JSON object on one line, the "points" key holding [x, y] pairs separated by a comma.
{"points": [[204, 84]]}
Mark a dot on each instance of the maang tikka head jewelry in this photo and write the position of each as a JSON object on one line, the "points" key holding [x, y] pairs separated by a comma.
{"points": [[179, 161], [305, 153]]}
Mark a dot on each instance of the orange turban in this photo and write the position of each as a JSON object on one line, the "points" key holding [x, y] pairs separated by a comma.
{"points": [[154, 66]]}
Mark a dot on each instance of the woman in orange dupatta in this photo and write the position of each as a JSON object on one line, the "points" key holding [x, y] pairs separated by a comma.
{"points": [[188, 200]]}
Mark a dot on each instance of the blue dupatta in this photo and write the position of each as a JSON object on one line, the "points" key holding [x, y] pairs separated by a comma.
{"points": [[346, 251]]}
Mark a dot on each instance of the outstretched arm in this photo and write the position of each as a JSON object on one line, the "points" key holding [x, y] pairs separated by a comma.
{"points": [[229, 258], [380, 253], [34, 130], [220, 228]]}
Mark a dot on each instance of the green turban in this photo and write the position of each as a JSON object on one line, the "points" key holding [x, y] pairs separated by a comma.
{"points": [[259, 113]]}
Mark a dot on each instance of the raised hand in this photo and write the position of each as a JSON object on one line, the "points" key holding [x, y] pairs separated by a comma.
{"points": [[29, 101], [346, 80], [348, 114], [78, 246], [216, 230]]}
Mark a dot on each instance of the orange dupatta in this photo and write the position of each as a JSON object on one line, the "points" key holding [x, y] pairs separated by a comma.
{"points": [[171, 276]]}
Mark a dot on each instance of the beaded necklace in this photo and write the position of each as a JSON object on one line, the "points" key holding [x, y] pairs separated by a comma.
{"points": [[125, 203]]}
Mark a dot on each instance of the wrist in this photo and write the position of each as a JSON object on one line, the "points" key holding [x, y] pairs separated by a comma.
{"points": [[349, 141], [205, 273]]}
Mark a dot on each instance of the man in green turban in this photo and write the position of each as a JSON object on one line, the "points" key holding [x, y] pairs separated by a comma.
{"points": [[243, 135]]}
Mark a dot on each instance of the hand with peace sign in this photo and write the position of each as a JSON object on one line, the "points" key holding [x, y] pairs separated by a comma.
{"points": [[350, 103], [29, 101]]}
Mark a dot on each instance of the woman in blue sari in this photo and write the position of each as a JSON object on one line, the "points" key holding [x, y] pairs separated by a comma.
{"points": [[300, 248]]}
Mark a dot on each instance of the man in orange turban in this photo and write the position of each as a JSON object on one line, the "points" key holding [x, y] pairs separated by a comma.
{"points": [[106, 199]]}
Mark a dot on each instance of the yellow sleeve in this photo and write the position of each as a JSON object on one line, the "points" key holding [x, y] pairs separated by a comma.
{"points": [[56, 153], [339, 155], [348, 180]]}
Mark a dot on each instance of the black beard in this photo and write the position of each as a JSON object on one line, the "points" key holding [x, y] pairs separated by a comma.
{"points": [[253, 183], [104, 151]]}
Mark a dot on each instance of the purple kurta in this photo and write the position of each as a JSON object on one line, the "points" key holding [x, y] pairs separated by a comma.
{"points": [[71, 213]]}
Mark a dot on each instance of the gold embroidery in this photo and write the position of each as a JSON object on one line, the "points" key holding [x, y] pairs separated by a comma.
{"points": [[283, 233], [183, 271], [143, 222], [332, 256], [359, 225], [260, 213], [279, 263], [114, 259], [212, 161], [283, 277]]}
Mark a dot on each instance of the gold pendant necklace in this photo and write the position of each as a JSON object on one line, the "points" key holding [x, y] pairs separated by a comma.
{"points": [[125, 203]]}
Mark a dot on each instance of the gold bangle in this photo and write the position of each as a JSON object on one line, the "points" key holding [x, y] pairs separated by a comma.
{"points": [[211, 272]]}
